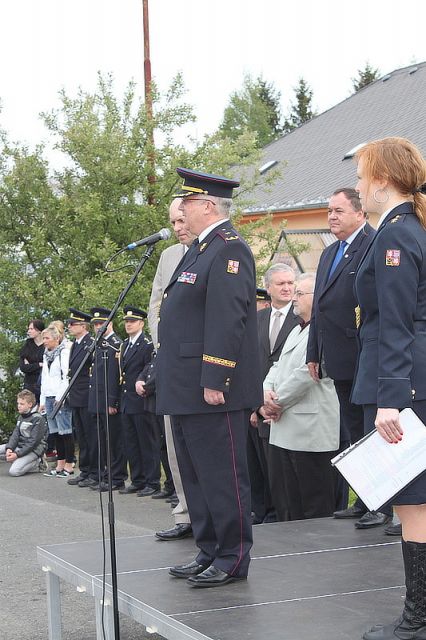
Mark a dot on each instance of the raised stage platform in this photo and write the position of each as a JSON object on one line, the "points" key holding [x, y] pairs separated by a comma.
{"points": [[313, 579]]}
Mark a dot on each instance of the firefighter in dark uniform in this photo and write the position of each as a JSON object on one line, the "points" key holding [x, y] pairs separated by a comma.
{"points": [[208, 379], [78, 326], [141, 437], [99, 394], [390, 287]]}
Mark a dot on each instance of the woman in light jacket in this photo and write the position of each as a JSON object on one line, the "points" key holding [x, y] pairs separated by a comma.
{"points": [[304, 421], [54, 382]]}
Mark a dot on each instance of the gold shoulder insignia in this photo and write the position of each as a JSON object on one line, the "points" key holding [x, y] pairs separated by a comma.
{"points": [[358, 316], [395, 219], [202, 247], [232, 238]]}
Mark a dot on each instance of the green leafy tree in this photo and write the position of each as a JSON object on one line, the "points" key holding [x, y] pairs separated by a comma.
{"points": [[365, 77], [301, 110], [58, 228], [256, 108]]}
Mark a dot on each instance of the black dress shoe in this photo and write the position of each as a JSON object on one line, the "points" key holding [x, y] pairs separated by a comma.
{"points": [[370, 519], [187, 570], [103, 486], [88, 482], [130, 489], [172, 498], [146, 491], [394, 529], [76, 480], [182, 530], [350, 512], [160, 494], [212, 577]]}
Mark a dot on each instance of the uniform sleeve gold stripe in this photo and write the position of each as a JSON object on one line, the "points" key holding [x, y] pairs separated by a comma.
{"points": [[220, 361]]}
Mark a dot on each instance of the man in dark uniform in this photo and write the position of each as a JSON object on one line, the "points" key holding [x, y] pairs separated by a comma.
{"points": [[78, 326], [105, 398], [209, 379], [142, 440], [332, 332]]}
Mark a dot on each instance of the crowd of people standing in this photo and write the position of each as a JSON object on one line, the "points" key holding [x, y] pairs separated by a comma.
{"points": [[258, 401]]}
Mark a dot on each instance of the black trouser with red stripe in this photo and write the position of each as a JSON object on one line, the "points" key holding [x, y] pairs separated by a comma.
{"points": [[211, 450]]}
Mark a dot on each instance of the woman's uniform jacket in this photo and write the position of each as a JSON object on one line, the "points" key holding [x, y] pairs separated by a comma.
{"points": [[310, 420]]}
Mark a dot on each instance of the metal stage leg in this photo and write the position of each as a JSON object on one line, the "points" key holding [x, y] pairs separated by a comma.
{"points": [[108, 620], [53, 606]]}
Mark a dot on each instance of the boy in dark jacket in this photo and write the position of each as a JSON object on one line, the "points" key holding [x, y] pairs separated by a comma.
{"points": [[28, 441]]}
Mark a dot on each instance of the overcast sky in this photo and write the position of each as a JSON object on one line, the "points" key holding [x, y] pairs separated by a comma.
{"points": [[50, 44]]}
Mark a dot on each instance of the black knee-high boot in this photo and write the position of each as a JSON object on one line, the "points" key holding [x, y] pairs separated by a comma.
{"points": [[411, 625]]}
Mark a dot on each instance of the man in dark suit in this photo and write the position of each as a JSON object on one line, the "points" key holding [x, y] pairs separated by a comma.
{"points": [[209, 380], [104, 401], [274, 324], [332, 334], [141, 437], [78, 326]]}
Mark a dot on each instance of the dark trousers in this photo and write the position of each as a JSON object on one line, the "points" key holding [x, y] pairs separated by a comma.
{"points": [[351, 430], [87, 442], [211, 453], [118, 459], [261, 501], [308, 482], [142, 444], [277, 483], [65, 447]]}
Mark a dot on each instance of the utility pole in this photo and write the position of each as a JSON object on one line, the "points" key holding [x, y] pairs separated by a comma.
{"points": [[148, 101]]}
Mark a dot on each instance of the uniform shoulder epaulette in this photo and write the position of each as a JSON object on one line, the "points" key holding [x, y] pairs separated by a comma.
{"points": [[228, 235], [147, 340], [395, 219]]}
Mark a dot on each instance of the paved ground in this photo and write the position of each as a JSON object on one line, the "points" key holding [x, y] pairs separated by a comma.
{"points": [[38, 510]]}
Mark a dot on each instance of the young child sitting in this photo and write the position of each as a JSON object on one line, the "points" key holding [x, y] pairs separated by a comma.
{"points": [[28, 441]]}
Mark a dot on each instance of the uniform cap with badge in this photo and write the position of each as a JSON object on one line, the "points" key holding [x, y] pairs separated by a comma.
{"points": [[77, 316], [99, 314], [133, 313], [199, 183]]}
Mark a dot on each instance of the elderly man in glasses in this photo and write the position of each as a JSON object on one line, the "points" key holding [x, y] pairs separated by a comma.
{"points": [[304, 417]]}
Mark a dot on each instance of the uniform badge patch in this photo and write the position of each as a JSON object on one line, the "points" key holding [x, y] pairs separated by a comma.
{"points": [[393, 257], [187, 277], [233, 266], [202, 247]]}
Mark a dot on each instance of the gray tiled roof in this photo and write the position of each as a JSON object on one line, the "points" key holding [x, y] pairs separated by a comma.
{"points": [[394, 105]]}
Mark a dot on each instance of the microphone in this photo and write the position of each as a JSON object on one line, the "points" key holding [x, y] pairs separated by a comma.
{"points": [[163, 234]]}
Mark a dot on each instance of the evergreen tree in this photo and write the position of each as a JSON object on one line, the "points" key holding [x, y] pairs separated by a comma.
{"points": [[365, 77], [256, 108], [301, 110]]}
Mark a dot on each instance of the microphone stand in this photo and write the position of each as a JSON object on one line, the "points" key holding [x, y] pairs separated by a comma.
{"points": [[111, 517]]}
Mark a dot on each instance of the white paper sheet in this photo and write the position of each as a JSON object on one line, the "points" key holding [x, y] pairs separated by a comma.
{"points": [[377, 470]]}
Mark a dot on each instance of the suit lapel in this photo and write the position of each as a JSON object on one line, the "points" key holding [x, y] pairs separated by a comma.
{"points": [[288, 324]]}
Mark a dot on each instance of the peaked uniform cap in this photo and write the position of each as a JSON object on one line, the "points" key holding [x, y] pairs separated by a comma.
{"points": [[99, 314], [196, 183], [262, 294], [78, 316], [133, 313]]}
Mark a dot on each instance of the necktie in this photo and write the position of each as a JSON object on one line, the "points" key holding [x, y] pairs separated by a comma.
{"points": [[339, 255], [275, 329], [129, 346]]}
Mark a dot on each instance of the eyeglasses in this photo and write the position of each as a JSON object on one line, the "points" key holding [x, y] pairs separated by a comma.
{"points": [[299, 294], [184, 200]]}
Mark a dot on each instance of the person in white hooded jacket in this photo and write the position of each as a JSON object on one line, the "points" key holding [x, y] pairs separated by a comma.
{"points": [[54, 382]]}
